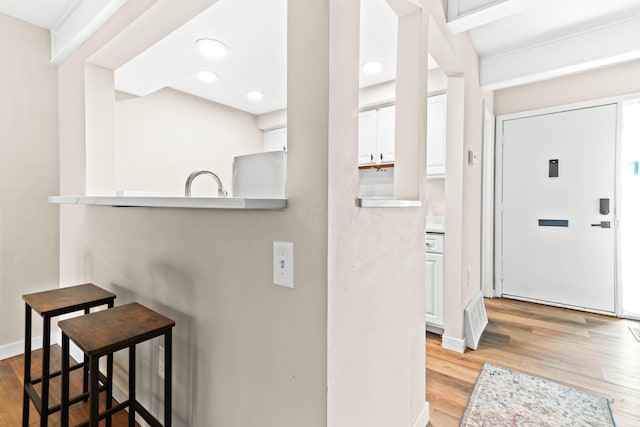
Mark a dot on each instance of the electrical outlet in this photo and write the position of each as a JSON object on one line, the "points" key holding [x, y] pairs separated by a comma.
{"points": [[283, 264], [161, 361]]}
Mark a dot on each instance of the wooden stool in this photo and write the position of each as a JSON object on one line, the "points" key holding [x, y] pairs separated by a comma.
{"points": [[50, 304], [105, 332]]}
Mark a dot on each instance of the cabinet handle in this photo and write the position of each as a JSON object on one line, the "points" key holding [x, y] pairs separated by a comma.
{"points": [[372, 157], [380, 156]]}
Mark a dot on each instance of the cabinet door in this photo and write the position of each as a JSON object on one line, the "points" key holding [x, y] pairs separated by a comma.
{"points": [[436, 135], [367, 129], [434, 282], [275, 139], [386, 141]]}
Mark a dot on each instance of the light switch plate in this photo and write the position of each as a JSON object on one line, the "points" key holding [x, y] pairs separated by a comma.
{"points": [[283, 264], [472, 157]]}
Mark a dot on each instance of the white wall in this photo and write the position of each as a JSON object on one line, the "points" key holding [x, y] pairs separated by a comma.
{"points": [[346, 346], [163, 137], [376, 259], [458, 59], [246, 352], [602, 83], [28, 174]]}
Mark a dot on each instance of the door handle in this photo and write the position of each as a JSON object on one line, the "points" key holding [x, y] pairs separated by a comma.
{"points": [[603, 224]]}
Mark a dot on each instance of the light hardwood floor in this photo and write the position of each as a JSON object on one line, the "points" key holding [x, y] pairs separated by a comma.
{"points": [[594, 353], [11, 380]]}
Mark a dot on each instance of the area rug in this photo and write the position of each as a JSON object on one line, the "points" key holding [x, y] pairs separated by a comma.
{"points": [[502, 397]]}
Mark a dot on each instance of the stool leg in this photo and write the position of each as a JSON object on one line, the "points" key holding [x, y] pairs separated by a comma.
{"points": [[109, 387], [94, 378], [109, 398], [132, 386], [85, 367], [167, 378], [64, 400], [27, 365], [46, 356]]}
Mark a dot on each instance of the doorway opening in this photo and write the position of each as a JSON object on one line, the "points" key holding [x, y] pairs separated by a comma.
{"points": [[630, 209]]}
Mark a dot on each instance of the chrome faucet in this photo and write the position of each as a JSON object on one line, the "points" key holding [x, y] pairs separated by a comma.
{"points": [[187, 186]]}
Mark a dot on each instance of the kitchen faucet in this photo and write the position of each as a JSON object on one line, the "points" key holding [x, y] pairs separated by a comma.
{"points": [[187, 186]]}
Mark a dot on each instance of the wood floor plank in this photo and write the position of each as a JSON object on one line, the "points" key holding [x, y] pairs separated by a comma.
{"points": [[11, 380], [591, 352], [587, 351]]}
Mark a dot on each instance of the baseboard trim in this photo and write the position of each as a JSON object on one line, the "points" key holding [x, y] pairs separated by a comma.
{"points": [[434, 329], [423, 418], [631, 316], [120, 396], [17, 348], [453, 344]]}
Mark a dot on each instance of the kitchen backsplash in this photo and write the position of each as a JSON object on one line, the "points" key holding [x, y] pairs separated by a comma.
{"points": [[376, 182]]}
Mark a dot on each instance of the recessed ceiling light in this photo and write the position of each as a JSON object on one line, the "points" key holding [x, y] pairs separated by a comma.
{"points": [[255, 95], [371, 67], [207, 76], [212, 48]]}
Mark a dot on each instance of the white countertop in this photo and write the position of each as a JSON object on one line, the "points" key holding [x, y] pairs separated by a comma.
{"points": [[435, 229], [381, 202], [173, 202]]}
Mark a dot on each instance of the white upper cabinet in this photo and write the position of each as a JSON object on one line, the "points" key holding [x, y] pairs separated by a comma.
{"points": [[275, 139], [376, 135], [386, 134], [436, 136], [367, 129]]}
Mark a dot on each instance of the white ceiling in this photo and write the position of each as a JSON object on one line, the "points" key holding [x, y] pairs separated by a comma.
{"points": [[257, 58], [518, 41], [42, 13], [521, 41], [257, 49]]}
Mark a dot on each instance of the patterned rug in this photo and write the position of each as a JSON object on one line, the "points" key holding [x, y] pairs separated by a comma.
{"points": [[502, 397]]}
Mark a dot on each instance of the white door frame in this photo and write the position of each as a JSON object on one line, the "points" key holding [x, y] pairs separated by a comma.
{"points": [[487, 246], [499, 177]]}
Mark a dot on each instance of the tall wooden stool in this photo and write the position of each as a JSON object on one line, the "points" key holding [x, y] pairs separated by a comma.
{"points": [[50, 304], [105, 332]]}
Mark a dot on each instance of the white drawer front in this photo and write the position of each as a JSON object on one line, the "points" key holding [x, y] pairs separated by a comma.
{"points": [[435, 243]]}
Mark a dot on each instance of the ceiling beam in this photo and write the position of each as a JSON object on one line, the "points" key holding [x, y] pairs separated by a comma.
{"points": [[78, 24], [606, 46], [462, 19]]}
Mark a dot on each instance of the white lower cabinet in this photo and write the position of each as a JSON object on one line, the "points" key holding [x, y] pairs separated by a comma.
{"points": [[434, 281]]}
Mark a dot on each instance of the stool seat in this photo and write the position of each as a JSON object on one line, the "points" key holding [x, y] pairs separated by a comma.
{"points": [[105, 332], [67, 300], [50, 304]]}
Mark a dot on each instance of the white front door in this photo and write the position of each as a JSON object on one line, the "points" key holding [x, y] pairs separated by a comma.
{"points": [[556, 247]]}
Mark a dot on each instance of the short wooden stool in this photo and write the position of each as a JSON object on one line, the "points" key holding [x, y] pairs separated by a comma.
{"points": [[50, 304], [105, 332]]}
